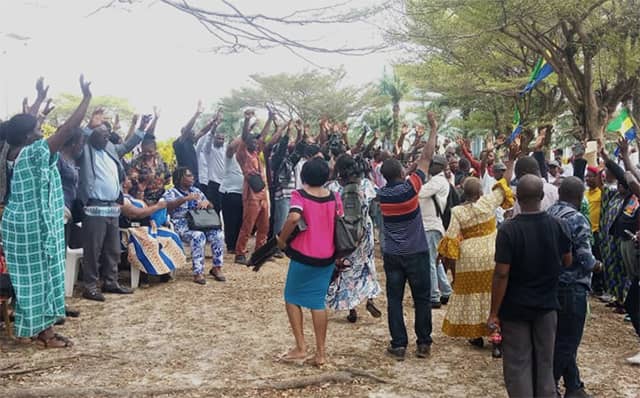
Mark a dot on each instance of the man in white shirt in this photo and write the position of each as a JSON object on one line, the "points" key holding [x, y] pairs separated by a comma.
{"points": [[203, 177], [214, 149], [433, 201]]}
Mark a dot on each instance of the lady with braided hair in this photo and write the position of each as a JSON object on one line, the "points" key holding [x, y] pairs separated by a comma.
{"points": [[356, 280]]}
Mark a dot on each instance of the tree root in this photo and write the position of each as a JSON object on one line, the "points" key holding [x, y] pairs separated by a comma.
{"points": [[345, 375]]}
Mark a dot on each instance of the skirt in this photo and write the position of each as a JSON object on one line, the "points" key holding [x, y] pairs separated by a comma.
{"points": [[307, 285]]}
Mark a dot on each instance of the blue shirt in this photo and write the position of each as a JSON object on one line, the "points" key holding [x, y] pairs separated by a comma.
{"points": [[583, 260], [107, 186]]}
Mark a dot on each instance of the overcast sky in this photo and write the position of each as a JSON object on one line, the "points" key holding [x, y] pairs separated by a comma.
{"points": [[152, 54]]}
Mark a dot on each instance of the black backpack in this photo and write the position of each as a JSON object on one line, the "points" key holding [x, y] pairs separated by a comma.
{"points": [[452, 200], [349, 228]]}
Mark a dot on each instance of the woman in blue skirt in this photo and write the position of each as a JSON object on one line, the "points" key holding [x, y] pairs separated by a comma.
{"points": [[312, 256]]}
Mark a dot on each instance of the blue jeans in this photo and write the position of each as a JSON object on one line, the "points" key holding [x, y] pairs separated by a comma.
{"points": [[399, 270], [280, 213], [571, 318], [440, 285]]}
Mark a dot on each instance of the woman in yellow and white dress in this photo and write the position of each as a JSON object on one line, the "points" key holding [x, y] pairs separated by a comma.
{"points": [[468, 249]]}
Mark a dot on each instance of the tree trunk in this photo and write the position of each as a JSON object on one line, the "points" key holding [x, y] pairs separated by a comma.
{"points": [[396, 120]]}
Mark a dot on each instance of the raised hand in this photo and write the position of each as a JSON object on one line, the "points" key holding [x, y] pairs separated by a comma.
{"points": [[514, 151], [431, 117], [624, 147], [144, 122], [200, 107], [25, 105], [542, 133], [116, 123], [271, 114], [298, 125], [48, 107], [84, 86], [41, 89], [156, 112]]}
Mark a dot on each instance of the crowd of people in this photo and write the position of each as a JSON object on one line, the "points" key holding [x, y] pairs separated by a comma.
{"points": [[512, 243]]}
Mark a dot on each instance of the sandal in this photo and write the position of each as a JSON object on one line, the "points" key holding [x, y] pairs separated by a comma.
{"points": [[286, 358], [373, 310], [55, 341]]}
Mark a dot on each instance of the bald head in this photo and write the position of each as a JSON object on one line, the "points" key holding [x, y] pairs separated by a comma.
{"points": [[527, 165], [530, 192], [572, 191], [472, 188]]}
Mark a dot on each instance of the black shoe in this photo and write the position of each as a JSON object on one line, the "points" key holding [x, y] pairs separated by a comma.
{"points": [[116, 289], [71, 313], [353, 316], [397, 352], [278, 254], [242, 260], [60, 321], [423, 350], [477, 342], [444, 300], [94, 295], [435, 304]]}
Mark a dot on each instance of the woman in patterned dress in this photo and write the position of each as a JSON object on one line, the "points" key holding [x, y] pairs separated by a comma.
{"points": [[152, 247], [613, 200], [468, 249], [182, 198], [33, 224], [357, 281]]}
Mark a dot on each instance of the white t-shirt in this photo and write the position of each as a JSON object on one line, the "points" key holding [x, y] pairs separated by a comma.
{"points": [[233, 178], [437, 186]]}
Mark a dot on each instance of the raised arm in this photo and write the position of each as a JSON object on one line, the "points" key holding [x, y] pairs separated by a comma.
{"points": [[424, 160], [152, 127], [233, 147], [247, 126], [40, 97], [132, 127], [624, 152], [265, 130], [66, 130], [189, 126], [397, 150], [467, 154], [131, 142]]}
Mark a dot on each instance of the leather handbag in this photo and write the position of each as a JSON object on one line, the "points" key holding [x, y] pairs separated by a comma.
{"points": [[256, 183], [203, 219]]}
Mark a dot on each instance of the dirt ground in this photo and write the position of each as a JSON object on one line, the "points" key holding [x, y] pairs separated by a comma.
{"points": [[179, 339]]}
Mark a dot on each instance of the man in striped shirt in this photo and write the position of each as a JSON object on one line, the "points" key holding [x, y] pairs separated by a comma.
{"points": [[406, 256]]}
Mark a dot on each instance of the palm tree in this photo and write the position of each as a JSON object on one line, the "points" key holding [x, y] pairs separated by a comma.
{"points": [[395, 89]]}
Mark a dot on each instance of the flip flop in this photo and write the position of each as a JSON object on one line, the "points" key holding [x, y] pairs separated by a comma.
{"points": [[285, 358]]}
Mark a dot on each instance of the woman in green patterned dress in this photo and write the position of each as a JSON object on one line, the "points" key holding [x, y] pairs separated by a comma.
{"points": [[613, 202], [33, 227]]}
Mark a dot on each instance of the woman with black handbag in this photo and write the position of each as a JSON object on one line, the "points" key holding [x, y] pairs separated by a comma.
{"points": [[196, 222]]}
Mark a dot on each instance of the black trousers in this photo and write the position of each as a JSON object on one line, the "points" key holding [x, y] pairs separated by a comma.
{"points": [[214, 196], [231, 218]]}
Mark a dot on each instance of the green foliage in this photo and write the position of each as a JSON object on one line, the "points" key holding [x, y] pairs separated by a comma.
{"points": [[479, 55], [66, 103], [165, 149], [309, 96]]}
